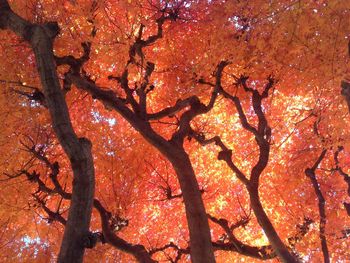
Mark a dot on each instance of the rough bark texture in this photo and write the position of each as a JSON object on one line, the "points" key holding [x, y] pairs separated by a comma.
{"points": [[263, 220], [78, 150], [200, 241]]}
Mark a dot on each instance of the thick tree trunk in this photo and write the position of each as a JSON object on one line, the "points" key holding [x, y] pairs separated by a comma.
{"points": [[76, 232], [263, 220], [78, 150], [201, 248]]}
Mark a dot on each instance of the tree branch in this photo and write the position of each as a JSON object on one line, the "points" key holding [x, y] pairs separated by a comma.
{"points": [[345, 176], [263, 132], [197, 107], [53, 216], [107, 220], [225, 154], [311, 173]]}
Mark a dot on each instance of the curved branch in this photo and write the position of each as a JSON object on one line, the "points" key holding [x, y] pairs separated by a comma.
{"points": [[197, 107], [108, 235], [138, 251], [262, 136], [311, 173], [225, 154]]}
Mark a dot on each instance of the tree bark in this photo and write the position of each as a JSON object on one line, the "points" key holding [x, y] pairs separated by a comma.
{"points": [[263, 220], [78, 150], [201, 248]]}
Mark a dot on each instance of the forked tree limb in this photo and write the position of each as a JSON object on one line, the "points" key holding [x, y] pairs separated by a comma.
{"points": [[262, 134]]}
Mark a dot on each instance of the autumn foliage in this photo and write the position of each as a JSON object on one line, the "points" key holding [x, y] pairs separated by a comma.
{"points": [[174, 131]]}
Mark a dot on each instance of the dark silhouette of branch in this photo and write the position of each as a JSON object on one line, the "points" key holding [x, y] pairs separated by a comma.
{"points": [[262, 134], [179, 251], [110, 224], [302, 230], [225, 154], [75, 64], [344, 175], [345, 91], [311, 173], [198, 108], [52, 216]]}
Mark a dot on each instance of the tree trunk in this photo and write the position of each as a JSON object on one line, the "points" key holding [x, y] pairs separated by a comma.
{"points": [[76, 232], [78, 150], [201, 248], [263, 220]]}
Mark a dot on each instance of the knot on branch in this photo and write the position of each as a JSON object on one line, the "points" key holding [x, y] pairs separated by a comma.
{"points": [[242, 80], [33, 176], [117, 223], [91, 239], [52, 29], [309, 172], [225, 155]]}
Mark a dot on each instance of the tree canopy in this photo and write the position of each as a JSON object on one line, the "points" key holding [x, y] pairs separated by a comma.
{"points": [[174, 131]]}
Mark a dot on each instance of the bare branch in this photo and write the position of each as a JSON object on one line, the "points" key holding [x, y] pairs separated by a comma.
{"points": [[311, 173], [197, 107], [75, 63], [229, 229], [110, 224], [53, 216], [225, 154], [345, 176], [263, 132]]}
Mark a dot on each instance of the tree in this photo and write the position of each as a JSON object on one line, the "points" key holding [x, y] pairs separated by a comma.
{"points": [[230, 110]]}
